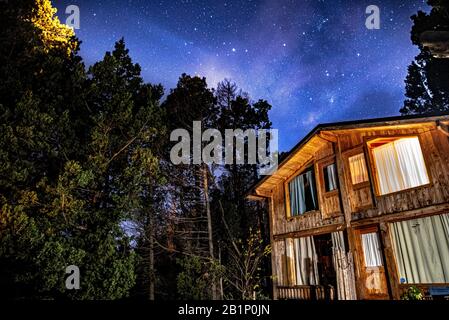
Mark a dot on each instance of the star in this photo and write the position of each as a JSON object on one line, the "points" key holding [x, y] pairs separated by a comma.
{"points": [[249, 40]]}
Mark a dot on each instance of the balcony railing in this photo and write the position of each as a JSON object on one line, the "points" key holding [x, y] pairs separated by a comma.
{"points": [[306, 293]]}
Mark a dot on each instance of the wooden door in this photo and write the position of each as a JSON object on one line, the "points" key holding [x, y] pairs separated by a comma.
{"points": [[373, 279]]}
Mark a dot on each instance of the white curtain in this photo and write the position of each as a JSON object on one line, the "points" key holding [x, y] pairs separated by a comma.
{"points": [[400, 165], [311, 180], [297, 196], [297, 191], [331, 177], [291, 261], [357, 166], [302, 261], [421, 248], [371, 249], [306, 262]]}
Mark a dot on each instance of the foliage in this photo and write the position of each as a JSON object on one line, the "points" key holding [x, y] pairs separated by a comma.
{"points": [[412, 293], [427, 82], [76, 160], [196, 277], [84, 156], [243, 272]]}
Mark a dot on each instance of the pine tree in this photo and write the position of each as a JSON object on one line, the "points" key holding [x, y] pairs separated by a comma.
{"points": [[76, 160], [427, 82]]}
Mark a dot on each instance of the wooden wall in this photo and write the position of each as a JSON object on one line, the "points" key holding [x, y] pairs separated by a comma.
{"points": [[329, 213], [363, 201], [366, 203]]}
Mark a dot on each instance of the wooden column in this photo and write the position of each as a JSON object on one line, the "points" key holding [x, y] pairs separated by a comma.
{"points": [[274, 253], [390, 261], [347, 211]]}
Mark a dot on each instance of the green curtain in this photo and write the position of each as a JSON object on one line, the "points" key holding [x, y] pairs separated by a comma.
{"points": [[421, 249]]}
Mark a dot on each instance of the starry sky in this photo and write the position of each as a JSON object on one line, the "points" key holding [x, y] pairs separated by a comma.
{"points": [[313, 60]]}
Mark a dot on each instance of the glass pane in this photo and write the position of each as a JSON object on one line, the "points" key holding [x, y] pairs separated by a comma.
{"points": [[400, 165], [302, 192], [421, 249], [330, 178], [371, 249], [357, 166]]}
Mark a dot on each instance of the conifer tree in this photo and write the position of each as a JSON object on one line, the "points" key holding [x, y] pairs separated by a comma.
{"points": [[427, 82]]}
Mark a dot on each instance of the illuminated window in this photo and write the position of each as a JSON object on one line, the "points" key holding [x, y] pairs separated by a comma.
{"points": [[399, 164], [371, 250], [357, 166]]}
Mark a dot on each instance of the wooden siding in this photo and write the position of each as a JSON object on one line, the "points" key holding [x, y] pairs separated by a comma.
{"points": [[435, 147], [353, 206]]}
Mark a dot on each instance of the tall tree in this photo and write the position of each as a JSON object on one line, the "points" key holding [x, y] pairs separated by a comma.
{"points": [[191, 101], [76, 159], [427, 82], [239, 215]]}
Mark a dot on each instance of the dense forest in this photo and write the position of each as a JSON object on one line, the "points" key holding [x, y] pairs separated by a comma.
{"points": [[86, 178]]}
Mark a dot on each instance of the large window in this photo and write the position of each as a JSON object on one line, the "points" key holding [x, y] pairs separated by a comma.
{"points": [[421, 248], [399, 164], [302, 193]]}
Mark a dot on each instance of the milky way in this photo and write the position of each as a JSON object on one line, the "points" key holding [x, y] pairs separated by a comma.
{"points": [[313, 60]]}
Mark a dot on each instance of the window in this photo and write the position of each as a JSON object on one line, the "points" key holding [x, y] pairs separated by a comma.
{"points": [[302, 193], [330, 178], [421, 249], [357, 166], [371, 250], [399, 164]]}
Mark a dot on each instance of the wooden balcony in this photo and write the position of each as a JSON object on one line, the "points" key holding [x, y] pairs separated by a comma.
{"points": [[306, 293]]}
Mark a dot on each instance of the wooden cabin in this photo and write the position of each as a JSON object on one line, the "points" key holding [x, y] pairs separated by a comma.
{"points": [[360, 210]]}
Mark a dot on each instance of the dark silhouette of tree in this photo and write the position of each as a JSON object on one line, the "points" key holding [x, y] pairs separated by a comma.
{"points": [[427, 82]]}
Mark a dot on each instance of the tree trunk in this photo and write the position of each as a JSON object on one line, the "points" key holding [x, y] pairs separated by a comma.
{"points": [[151, 258], [209, 225]]}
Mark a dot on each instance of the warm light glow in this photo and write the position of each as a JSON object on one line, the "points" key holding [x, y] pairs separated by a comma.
{"points": [[400, 165], [359, 172]]}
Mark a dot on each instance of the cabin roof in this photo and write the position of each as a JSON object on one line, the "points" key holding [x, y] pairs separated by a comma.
{"points": [[313, 139]]}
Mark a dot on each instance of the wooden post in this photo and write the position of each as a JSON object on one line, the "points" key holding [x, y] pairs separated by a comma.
{"points": [[274, 253], [347, 211], [390, 261]]}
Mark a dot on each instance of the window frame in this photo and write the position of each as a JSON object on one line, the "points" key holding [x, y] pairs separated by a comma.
{"points": [[310, 165], [321, 166], [351, 153], [323, 172], [373, 168]]}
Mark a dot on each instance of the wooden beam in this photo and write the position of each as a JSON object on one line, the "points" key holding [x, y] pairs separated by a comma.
{"points": [[404, 215], [310, 232]]}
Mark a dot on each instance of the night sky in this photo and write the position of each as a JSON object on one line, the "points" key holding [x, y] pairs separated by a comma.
{"points": [[313, 60]]}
